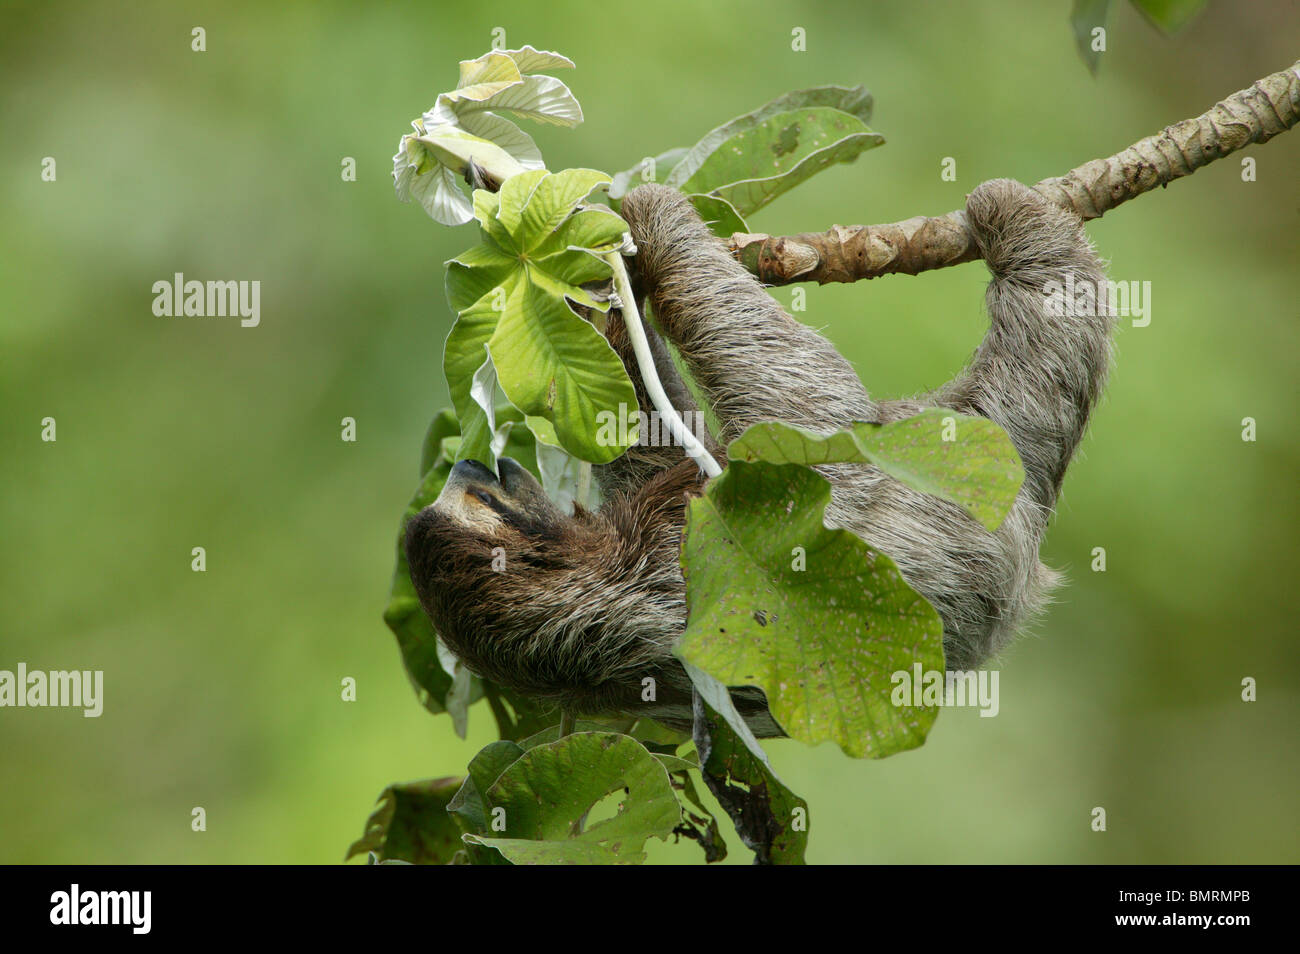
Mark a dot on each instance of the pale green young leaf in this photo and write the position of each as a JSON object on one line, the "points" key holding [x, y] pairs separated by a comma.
{"points": [[485, 76], [553, 199], [552, 364], [530, 60]]}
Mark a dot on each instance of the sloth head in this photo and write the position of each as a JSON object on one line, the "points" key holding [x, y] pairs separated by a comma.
{"points": [[475, 499], [527, 595]]}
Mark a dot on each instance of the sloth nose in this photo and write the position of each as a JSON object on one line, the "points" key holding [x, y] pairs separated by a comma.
{"points": [[473, 470]]}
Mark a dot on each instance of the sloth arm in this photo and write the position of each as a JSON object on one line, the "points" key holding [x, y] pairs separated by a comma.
{"points": [[751, 361], [1036, 375]]}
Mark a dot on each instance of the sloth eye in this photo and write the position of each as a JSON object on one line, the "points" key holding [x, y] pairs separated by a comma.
{"points": [[484, 497]]}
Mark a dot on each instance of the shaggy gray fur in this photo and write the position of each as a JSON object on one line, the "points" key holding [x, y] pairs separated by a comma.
{"points": [[589, 605], [1036, 376]]}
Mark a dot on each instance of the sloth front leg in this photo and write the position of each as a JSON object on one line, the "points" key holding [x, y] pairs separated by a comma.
{"points": [[751, 360]]}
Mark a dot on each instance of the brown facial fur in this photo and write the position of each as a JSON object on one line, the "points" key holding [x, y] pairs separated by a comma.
{"points": [[576, 609]]}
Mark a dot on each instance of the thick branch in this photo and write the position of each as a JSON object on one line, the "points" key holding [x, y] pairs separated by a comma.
{"points": [[846, 254]]}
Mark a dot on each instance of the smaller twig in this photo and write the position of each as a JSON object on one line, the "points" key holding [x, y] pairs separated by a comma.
{"points": [[649, 376], [849, 253]]}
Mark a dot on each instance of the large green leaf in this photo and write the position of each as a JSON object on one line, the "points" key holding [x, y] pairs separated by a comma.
{"points": [[472, 283], [814, 617], [411, 824], [854, 100], [969, 461], [511, 296], [554, 365], [752, 159], [759, 164], [547, 792]]}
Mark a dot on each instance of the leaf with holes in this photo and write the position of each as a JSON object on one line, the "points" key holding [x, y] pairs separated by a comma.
{"points": [[411, 824], [814, 617], [547, 792]]}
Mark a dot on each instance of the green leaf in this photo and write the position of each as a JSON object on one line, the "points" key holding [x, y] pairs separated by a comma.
{"points": [[512, 295], [552, 200], [530, 60], [969, 461], [411, 824], [698, 823], [552, 732], [547, 792], [485, 77], [649, 169], [543, 99], [484, 769], [854, 100], [1170, 16], [754, 158], [455, 149], [719, 215], [757, 164], [472, 283], [554, 365], [770, 819], [1086, 16], [502, 132], [816, 618], [675, 763], [442, 426]]}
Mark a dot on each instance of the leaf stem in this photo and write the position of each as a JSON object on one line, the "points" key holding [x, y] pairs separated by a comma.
{"points": [[650, 376], [584, 482]]}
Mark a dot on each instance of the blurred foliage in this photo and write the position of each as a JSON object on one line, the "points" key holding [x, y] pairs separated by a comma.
{"points": [[222, 689]]}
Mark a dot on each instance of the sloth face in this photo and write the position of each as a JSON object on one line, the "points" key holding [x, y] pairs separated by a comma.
{"points": [[527, 596], [477, 499], [492, 559]]}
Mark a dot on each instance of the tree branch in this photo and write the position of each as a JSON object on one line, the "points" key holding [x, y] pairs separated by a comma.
{"points": [[846, 254]]}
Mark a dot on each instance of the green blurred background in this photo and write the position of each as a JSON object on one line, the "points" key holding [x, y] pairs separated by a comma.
{"points": [[223, 688]]}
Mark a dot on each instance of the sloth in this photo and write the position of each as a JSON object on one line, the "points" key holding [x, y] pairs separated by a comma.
{"points": [[589, 604]]}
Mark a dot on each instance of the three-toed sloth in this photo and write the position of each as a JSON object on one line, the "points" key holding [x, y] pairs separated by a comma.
{"points": [[588, 606]]}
